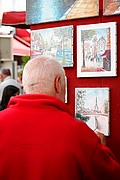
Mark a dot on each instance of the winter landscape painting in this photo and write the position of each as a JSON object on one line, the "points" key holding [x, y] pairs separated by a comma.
{"points": [[96, 50], [92, 107], [56, 41]]}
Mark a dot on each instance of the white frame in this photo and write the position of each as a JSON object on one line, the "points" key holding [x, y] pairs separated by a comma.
{"points": [[113, 49], [6, 48], [66, 90]]}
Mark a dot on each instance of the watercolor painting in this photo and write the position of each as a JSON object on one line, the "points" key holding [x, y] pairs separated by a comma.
{"points": [[111, 7], [56, 41], [92, 107], [50, 10], [6, 48], [96, 50]]}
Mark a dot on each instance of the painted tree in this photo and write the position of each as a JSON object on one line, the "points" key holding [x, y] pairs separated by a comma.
{"points": [[80, 100], [106, 107], [85, 36]]}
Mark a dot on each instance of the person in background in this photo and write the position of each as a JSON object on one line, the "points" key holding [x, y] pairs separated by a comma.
{"points": [[19, 78], [1, 77], [7, 80], [8, 92], [40, 140]]}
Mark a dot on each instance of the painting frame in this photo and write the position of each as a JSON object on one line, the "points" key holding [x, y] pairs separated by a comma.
{"points": [[97, 50], [92, 106], [56, 41], [66, 90]]}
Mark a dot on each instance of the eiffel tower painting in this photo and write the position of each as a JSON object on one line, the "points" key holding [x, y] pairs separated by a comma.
{"points": [[96, 106], [93, 105]]}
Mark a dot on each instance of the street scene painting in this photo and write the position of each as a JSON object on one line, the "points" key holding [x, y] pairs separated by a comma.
{"points": [[111, 7], [92, 107], [41, 11], [96, 50], [56, 41]]}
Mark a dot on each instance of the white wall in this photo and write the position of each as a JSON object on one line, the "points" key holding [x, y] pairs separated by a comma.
{"points": [[12, 5]]}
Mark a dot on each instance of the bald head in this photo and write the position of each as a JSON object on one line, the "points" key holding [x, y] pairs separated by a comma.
{"points": [[44, 75]]}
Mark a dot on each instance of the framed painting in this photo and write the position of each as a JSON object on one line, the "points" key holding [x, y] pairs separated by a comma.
{"points": [[40, 11], [56, 41], [92, 107], [97, 50], [111, 7]]}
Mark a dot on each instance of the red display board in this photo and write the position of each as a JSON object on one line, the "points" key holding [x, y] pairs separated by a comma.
{"points": [[112, 82]]}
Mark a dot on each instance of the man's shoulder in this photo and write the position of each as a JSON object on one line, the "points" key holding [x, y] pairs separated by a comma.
{"points": [[11, 81]]}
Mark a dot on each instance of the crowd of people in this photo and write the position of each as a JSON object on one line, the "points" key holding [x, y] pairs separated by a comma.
{"points": [[39, 139]]}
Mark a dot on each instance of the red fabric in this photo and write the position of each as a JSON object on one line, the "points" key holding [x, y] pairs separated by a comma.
{"points": [[15, 19], [20, 49], [39, 140], [24, 34]]}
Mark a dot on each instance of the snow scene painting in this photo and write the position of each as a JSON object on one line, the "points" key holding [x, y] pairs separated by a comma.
{"points": [[92, 107], [96, 50]]}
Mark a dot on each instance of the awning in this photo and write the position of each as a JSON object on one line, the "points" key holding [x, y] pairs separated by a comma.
{"points": [[19, 49], [15, 19], [24, 34]]}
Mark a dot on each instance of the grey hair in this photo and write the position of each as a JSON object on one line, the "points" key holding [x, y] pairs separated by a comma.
{"points": [[6, 72], [39, 74]]}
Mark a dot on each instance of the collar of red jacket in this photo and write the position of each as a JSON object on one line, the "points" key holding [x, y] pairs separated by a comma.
{"points": [[37, 101]]}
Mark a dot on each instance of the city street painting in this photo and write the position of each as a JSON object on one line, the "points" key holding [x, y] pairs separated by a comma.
{"points": [[41, 11], [96, 50], [56, 41], [111, 7], [92, 107]]}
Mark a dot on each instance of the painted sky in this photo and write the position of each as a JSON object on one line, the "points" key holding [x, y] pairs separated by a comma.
{"points": [[91, 94]]}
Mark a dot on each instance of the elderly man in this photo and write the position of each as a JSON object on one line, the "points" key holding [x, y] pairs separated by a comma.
{"points": [[40, 140], [7, 80]]}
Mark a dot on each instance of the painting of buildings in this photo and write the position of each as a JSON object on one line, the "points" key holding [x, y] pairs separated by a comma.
{"points": [[96, 52], [40, 11], [56, 41], [92, 107], [111, 7]]}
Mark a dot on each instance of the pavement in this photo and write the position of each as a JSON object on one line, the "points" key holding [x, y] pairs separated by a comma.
{"points": [[83, 8]]}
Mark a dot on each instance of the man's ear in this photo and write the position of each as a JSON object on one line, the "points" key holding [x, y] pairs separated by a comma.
{"points": [[57, 84]]}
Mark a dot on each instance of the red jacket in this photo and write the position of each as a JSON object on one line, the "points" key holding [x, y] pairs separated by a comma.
{"points": [[40, 140]]}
